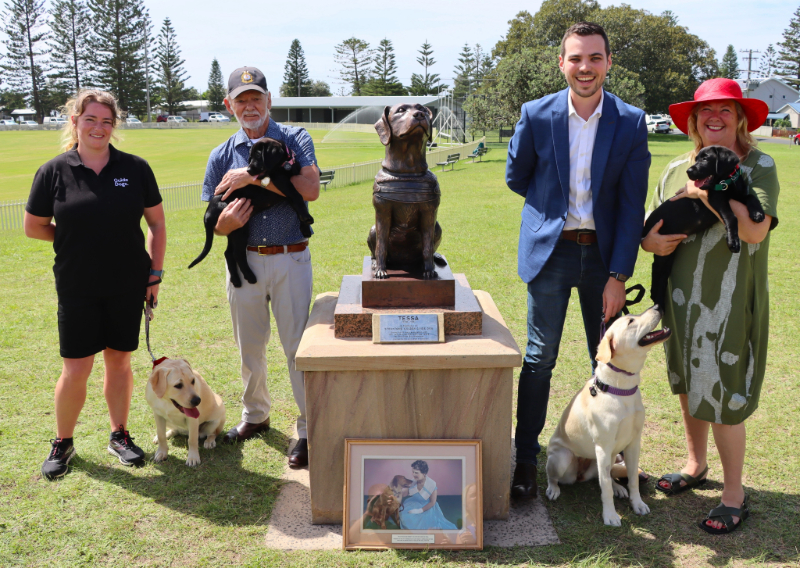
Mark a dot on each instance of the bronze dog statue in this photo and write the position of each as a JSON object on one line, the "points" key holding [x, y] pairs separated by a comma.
{"points": [[405, 196]]}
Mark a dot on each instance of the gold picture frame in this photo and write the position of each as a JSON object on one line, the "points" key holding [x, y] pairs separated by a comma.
{"points": [[413, 494]]}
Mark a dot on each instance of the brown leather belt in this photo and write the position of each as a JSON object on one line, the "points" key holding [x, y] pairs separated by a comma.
{"points": [[580, 236], [280, 249]]}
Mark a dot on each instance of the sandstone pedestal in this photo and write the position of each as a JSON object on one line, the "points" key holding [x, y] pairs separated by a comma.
{"points": [[362, 296], [460, 389]]}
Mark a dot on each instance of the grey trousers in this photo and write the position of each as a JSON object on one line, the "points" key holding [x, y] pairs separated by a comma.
{"points": [[284, 282]]}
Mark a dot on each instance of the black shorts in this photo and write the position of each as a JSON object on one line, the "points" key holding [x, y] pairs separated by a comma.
{"points": [[88, 325]]}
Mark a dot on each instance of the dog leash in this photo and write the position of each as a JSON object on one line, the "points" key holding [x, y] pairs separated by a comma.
{"points": [[149, 306], [598, 384]]}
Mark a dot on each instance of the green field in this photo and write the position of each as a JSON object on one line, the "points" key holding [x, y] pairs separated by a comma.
{"points": [[103, 514], [175, 155]]}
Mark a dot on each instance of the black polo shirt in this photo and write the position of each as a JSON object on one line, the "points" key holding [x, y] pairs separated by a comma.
{"points": [[99, 244]]}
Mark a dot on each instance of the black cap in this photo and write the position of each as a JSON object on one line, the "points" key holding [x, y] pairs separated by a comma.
{"points": [[246, 79]]}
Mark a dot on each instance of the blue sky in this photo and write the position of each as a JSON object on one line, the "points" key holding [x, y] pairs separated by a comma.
{"points": [[259, 33]]}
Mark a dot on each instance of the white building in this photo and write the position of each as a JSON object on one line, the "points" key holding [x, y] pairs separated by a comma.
{"points": [[772, 91]]}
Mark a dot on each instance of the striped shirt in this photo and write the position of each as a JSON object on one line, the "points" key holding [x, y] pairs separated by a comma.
{"points": [[277, 225]]}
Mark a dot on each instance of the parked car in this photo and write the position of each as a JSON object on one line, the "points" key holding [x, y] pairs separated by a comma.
{"points": [[658, 126], [29, 123], [7, 122], [176, 119], [161, 118], [54, 121], [132, 120], [796, 138], [213, 116]]}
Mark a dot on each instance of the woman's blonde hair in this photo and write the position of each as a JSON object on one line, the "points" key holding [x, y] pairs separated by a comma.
{"points": [[77, 106], [744, 139]]}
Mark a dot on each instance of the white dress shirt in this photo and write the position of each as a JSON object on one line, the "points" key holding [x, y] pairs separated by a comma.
{"points": [[581, 147]]}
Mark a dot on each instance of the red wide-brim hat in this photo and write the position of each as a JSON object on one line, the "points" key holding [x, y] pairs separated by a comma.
{"points": [[720, 90]]}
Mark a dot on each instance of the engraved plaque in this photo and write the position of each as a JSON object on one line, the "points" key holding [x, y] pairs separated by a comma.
{"points": [[407, 328]]}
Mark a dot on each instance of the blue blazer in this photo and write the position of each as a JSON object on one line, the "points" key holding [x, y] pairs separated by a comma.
{"points": [[538, 170]]}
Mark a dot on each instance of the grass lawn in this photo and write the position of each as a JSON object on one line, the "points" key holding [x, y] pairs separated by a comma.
{"points": [[103, 514], [175, 155]]}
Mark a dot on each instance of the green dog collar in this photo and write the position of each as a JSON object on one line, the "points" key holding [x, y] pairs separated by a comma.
{"points": [[726, 183]]}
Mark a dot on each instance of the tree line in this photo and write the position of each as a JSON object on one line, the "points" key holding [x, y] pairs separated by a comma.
{"points": [[51, 53]]}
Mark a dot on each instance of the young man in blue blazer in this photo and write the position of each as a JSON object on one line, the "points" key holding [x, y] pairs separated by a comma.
{"points": [[579, 158]]}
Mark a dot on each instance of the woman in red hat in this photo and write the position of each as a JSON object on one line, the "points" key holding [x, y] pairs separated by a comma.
{"points": [[718, 301]]}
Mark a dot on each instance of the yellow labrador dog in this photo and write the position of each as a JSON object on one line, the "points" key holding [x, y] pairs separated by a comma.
{"points": [[182, 400], [606, 417]]}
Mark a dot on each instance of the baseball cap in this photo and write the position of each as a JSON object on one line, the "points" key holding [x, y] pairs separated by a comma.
{"points": [[246, 79]]}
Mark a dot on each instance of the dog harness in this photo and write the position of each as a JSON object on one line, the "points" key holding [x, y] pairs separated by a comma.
{"points": [[406, 188], [724, 184]]}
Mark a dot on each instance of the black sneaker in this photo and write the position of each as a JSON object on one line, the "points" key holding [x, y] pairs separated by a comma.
{"points": [[121, 445], [57, 463]]}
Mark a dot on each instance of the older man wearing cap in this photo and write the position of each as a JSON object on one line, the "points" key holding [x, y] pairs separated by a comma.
{"points": [[277, 252]]}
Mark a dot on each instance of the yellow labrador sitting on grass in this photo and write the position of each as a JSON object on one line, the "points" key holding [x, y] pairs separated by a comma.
{"points": [[606, 417], [182, 400]]}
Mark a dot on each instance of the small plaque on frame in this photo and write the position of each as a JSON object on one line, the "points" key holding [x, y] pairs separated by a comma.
{"points": [[408, 328]]}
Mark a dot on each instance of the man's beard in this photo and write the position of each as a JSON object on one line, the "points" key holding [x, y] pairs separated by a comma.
{"points": [[253, 124]]}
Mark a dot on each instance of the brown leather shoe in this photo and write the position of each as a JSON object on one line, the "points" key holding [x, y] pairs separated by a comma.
{"points": [[298, 457], [244, 431], [523, 485]]}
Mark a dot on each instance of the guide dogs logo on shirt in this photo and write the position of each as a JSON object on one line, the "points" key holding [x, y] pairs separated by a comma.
{"points": [[247, 77], [121, 182]]}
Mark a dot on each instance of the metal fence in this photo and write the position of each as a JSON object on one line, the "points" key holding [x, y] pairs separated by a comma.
{"points": [[11, 213], [180, 196]]}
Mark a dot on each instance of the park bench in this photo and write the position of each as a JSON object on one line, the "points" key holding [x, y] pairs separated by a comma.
{"points": [[326, 177], [451, 160], [478, 152]]}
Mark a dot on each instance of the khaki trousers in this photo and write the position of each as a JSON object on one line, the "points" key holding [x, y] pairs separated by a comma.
{"points": [[284, 282]]}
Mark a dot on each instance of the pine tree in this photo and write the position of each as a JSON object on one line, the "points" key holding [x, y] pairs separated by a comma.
{"points": [[70, 54], [295, 73], [769, 62], [25, 49], [384, 73], [789, 55], [427, 83], [117, 44], [464, 72], [729, 66], [216, 88], [354, 56], [171, 77]]}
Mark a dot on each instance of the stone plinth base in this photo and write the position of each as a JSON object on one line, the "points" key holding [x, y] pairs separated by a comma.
{"points": [[459, 389], [352, 319]]}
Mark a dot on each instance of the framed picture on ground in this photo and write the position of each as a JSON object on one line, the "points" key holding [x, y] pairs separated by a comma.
{"points": [[413, 494]]}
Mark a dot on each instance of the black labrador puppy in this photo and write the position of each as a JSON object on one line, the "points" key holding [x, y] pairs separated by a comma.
{"points": [[268, 158], [718, 169]]}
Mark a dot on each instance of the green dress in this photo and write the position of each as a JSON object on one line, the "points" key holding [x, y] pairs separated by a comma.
{"points": [[718, 305]]}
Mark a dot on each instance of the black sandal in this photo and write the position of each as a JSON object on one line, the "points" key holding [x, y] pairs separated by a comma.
{"points": [[674, 480], [725, 515]]}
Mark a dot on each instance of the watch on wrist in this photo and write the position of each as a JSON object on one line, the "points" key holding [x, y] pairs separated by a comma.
{"points": [[158, 273], [618, 276]]}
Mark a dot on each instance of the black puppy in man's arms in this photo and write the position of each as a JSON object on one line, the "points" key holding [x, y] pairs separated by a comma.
{"points": [[717, 168], [271, 160]]}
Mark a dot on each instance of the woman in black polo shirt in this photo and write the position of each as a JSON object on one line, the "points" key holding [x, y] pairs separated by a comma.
{"points": [[97, 196]]}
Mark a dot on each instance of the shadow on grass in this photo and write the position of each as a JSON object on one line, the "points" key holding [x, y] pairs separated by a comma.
{"points": [[768, 536], [221, 490]]}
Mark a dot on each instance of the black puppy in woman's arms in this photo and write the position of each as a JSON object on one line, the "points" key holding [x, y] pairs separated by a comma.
{"points": [[717, 168], [270, 160]]}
